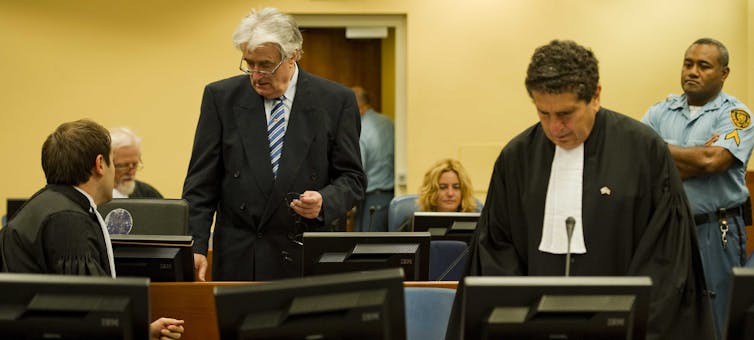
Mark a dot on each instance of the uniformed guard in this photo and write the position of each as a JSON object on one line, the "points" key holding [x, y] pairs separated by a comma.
{"points": [[710, 137]]}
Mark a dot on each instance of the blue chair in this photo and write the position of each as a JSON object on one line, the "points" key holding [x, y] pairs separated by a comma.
{"points": [[447, 260], [400, 209], [403, 207], [427, 312]]}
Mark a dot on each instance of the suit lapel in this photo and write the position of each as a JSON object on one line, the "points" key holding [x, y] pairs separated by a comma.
{"points": [[252, 127], [299, 135]]}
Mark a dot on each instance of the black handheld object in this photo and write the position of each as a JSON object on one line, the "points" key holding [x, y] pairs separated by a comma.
{"points": [[371, 217], [570, 223]]}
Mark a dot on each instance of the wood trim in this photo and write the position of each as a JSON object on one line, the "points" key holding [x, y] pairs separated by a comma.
{"points": [[194, 302]]}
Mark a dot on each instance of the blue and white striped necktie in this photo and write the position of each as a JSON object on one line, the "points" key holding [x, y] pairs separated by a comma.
{"points": [[275, 133]]}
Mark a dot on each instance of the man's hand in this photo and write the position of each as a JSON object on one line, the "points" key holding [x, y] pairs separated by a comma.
{"points": [[308, 205], [200, 266], [165, 329]]}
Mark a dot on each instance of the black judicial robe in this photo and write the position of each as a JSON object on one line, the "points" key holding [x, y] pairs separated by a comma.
{"points": [[55, 232], [642, 227], [144, 190]]}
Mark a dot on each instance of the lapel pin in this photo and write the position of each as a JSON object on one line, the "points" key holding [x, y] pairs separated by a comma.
{"points": [[605, 191]]}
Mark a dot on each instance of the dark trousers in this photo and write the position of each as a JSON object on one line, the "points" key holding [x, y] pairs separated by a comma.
{"points": [[377, 221], [718, 261]]}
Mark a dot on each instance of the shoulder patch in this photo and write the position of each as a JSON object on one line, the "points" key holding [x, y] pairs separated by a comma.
{"points": [[740, 118]]}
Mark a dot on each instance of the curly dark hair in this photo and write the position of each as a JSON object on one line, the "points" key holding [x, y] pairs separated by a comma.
{"points": [[563, 66], [69, 154]]}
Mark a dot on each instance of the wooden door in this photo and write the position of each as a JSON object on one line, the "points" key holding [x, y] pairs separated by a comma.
{"points": [[328, 54]]}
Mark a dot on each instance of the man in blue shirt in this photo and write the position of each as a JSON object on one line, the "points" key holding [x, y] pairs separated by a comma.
{"points": [[377, 157], [710, 138]]}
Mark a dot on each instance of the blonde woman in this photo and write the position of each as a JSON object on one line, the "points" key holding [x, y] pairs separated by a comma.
{"points": [[447, 188]]}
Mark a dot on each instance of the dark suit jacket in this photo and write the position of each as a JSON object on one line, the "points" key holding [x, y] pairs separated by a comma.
{"points": [[144, 190], [230, 174]]}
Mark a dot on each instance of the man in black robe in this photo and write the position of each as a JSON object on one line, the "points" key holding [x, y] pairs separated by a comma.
{"points": [[58, 230], [632, 213]]}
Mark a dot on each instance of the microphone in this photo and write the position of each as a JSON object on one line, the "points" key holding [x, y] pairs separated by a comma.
{"points": [[371, 217], [570, 222]]}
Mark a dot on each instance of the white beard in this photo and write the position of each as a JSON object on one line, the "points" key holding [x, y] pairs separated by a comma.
{"points": [[126, 187]]}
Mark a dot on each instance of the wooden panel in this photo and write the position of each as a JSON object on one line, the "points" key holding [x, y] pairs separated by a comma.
{"points": [[194, 302], [328, 54]]}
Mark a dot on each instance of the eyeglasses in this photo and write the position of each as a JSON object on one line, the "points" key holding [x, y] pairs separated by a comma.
{"points": [[129, 166], [264, 71]]}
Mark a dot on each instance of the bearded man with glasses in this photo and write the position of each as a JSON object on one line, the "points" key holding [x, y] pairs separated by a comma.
{"points": [[273, 130], [126, 147]]}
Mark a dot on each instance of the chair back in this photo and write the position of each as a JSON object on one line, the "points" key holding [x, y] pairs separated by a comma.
{"points": [[400, 211], [427, 312], [447, 260]]}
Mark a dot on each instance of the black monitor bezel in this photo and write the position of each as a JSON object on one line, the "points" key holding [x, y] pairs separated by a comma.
{"points": [[17, 288], [482, 294], [233, 303], [316, 243], [425, 220], [128, 249], [740, 306]]}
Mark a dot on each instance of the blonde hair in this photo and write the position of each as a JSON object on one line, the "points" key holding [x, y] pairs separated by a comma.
{"points": [[430, 186]]}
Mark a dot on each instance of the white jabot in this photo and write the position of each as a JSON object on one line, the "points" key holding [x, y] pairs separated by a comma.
{"points": [[564, 197], [108, 243]]}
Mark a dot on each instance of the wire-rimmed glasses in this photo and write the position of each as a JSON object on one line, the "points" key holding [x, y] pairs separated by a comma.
{"points": [[264, 71], [128, 166]]}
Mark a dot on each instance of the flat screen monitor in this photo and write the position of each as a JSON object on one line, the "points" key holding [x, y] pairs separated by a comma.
{"points": [[577, 307], [363, 305], [740, 318], [37, 306], [150, 216], [446, 225], [338, 252], [12, 206], [161, 258]]}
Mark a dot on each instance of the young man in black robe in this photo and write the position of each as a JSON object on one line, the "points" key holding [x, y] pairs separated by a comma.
{"points": [[58, 230], [614, 176]]}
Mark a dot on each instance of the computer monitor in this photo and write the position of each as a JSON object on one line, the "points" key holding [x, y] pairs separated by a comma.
{"points": [[12, 206], [151, 216], [740, 318], [362, 305], [446, 225], [36, 306], [576, 307], [162, 258], [338, 252]]}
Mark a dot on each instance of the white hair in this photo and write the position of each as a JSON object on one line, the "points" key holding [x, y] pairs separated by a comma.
{"points": [[269, 25], [122, 137]]}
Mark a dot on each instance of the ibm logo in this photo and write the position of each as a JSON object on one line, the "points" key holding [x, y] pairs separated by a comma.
{"points": [[110, 322], [407, 261], [370, 316], [616, 322]]}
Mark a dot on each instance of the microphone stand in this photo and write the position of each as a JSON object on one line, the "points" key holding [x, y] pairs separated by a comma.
{"points": [[570, 222], [371, 217]]}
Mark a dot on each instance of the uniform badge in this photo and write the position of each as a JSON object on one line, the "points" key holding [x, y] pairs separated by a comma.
{"points": [[605, 191], [740, 118]]}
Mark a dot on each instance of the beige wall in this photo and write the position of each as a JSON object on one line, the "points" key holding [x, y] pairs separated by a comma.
{"points": [[144, 64]]}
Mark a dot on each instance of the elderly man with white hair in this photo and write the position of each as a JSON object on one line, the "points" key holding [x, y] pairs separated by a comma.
{"points": [[126, 147]]}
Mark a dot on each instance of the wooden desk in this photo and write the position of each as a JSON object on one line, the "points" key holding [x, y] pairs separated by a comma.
{"points": [[195, 303]]}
